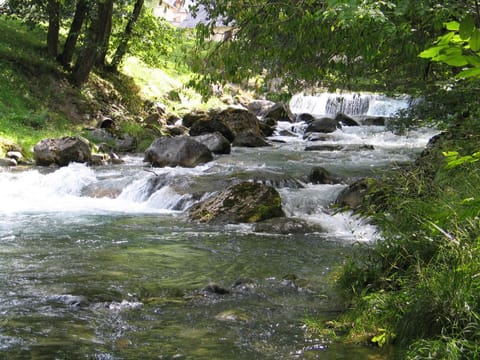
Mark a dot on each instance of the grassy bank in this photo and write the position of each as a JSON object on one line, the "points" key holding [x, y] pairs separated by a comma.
{"points": [[418, 289], [37, 101]]}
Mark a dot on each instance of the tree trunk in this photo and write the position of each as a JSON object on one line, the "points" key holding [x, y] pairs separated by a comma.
{"points": [[123, 46], [96, 37], [53, 8], [71, 42], [106, 31]]}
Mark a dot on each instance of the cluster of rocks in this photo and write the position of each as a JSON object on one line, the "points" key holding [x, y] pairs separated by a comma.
{"points": [[201, 136]]}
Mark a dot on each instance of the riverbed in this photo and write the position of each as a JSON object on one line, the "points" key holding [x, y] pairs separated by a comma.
{"points": [[103, 263]]}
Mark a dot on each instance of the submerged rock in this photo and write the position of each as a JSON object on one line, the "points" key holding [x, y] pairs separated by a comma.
{"points": [[338, 147], [320, 175], [353, 196], [374, 121], [177, 151], [215, 289], [286, 226], [62, 151], [240, 203]]}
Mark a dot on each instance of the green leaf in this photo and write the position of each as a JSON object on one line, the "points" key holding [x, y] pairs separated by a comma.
{"points": [[468, 73], [452, 25], [445, 39], [475, 40], [452, 57], [432, 52], [466, 27], [473, 60]]}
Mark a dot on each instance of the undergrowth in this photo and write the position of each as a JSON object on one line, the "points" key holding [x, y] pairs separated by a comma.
{"points": [[419, 287]]}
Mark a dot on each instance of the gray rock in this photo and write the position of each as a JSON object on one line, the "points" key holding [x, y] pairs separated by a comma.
{"points": [[62, 151], [346, 120], [260, 107], [278, 112], [240, 203], [323, 125], [6, 162], [249, 139], [306, 118], [352, 196], [177, 151], [320, 175], [286, 226], [210, 126], [216, 142]]}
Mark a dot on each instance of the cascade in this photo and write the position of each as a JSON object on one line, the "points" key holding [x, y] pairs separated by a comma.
{"points": [[353, 104]]}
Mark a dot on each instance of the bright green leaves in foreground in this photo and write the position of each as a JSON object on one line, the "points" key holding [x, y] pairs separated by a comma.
{"points": [[459, 47]]}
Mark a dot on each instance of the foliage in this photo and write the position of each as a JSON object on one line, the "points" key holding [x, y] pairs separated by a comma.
{"points": [[359, 43], [459, 47], [152, 39], [419, 286]]}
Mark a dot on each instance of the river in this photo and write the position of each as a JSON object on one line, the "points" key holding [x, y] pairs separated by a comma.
{"points": [[102, 263]]}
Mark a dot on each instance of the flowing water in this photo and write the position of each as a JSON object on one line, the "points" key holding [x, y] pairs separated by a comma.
{"points": [[102, 262]]}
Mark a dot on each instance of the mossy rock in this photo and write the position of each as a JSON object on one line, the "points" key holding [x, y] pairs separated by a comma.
{"points": [[246, 202]]}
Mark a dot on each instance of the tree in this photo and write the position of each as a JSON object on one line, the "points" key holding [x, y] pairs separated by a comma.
{"points": [[323, 42], [96, 37], [81, 11], [53, 9], [126, 36]]}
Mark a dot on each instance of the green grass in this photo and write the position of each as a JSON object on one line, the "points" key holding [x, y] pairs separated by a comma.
{"points": [[25, 92], [37, 101], [419, 287]]}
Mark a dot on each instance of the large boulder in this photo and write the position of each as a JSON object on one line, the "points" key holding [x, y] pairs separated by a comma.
{"points": [[346, 120], [323, 125], [278, 112], [238, 120], [62, 151], [249, 139], [191, 118], [246, 202], [209, 126], [121, 143], [216, 142], [260, 107], [177, 151]]}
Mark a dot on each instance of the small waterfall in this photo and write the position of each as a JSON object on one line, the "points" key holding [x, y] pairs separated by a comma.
{"points": [[353, 104]]}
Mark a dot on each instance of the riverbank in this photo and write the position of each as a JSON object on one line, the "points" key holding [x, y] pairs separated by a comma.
{"points": [[37, 101], [417, 288]]}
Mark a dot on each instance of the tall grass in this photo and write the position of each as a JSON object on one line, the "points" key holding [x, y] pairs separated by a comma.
{"points": [[419, 287]]}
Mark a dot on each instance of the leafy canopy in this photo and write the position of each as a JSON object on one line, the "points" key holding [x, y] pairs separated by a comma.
{"points": [[355, 43], [459, 47]]}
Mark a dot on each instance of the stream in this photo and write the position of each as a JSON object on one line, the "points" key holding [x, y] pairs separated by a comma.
{"points": [[102, 262]]}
